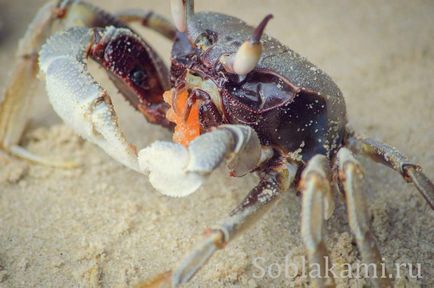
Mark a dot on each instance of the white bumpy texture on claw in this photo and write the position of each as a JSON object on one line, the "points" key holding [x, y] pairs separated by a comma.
{"points": [[81, 102], [179, 171]]}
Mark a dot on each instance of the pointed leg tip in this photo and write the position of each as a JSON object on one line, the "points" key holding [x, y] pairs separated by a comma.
{"points": [[25, 154]]}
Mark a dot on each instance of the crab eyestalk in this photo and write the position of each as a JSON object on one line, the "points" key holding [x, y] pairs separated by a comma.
{"points": [[249, 53], [181, 10]]}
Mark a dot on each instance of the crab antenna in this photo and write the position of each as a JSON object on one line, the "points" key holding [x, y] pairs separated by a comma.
{"points": [[250, 51], [182, 10]]}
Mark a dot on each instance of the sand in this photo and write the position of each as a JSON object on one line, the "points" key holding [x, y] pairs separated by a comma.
{"points": [[101, 225]]}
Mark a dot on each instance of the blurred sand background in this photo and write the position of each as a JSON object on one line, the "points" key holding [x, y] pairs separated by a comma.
{"points": [[102, 225]]}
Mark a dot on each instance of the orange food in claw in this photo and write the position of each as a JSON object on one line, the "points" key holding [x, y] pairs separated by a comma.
{"points": [[185, 130]]}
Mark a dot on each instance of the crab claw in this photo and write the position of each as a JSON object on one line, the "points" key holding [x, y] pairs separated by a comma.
{"points": [[75, 96], [178, 171], [167, 163]]}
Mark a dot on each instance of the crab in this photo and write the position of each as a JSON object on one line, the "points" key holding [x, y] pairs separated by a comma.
{"points": [[233, 94]]}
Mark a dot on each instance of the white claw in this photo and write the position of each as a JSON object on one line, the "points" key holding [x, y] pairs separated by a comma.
{"points": [[179, 14], [78, 99], [209, 150], [167, 163], [178, 171]]}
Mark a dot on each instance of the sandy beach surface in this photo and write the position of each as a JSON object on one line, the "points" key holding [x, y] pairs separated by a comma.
{"points": [[102, 225]]}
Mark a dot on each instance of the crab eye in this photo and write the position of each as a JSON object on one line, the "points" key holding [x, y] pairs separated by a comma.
{"points": [[139, 77], [206, 39]]}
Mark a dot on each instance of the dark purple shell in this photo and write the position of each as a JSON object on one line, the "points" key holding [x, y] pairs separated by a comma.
{"points": [[291, 103], [131, 63]]}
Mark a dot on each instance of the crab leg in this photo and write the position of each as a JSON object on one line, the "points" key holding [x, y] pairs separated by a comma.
{"points": [[391, 157], [274, 181], [182, 11], [318, 204], [148, 19], [14, 109], [351, 176]]}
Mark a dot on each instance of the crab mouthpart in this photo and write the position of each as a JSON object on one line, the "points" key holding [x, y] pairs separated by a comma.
{"points": [[186, 119]]}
